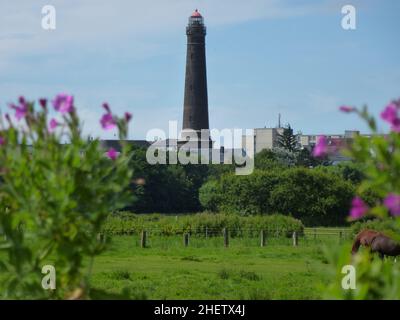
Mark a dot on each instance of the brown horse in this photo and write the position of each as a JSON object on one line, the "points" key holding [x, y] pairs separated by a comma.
{"points": [[377, 242]]}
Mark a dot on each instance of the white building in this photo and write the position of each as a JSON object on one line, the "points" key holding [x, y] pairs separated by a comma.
{"points": [[264, 138], [267, 138]]}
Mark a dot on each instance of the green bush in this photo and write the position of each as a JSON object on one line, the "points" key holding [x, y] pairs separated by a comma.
{"points": [[168, 188], [348, 170], [210, 195], [54, 197], [386, 226], [313, 196], [268, 160], [127, 223], [317, 198], [244, 195]]}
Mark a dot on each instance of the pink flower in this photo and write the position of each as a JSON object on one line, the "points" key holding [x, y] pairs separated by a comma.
{"points": [[21, 100], [8, 118], [390, 115], [321, 147], [128, 116], [2, 141], [112, 154], [20, 110], [106, 107], [107, 121], [43, 103], [63, 103], [392, 202], [396, 126], [53, 125], [347, 109], [358, 208]]}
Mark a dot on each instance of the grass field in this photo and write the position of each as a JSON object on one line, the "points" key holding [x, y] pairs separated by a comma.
{"points": [[207, 270]]}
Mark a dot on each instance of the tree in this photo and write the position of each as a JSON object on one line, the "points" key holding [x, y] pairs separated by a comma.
{"points": [[314, 197], [349, 171], [304, 158], [165, 188], [267, 159], [210, 194], [288, 140]]}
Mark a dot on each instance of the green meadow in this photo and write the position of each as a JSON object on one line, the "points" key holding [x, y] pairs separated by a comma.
{"points": [[166, 269]]}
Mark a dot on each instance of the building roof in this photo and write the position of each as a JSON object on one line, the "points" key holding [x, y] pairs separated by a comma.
{"points": [[196, 13]]}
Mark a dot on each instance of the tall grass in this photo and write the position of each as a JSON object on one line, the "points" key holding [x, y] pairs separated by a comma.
{"points": [[206, 224]]}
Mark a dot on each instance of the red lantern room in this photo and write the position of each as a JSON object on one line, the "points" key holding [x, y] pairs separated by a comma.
{"points": [[196, 18], [196, 13]]}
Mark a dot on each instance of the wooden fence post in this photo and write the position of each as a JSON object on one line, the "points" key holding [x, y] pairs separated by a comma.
{"points": [[143, 239], [4, 235], [315, 234], [101, 237], [226, 237], [262, 238], [186, 239], [340, 236], [206, 232], [295, 239]]}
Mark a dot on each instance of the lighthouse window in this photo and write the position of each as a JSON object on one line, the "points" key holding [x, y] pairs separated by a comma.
{"points": [[191, 87]]}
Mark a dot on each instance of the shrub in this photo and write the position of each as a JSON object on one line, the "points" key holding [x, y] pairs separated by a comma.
{"points": [[315, 197], [240, 194], [383, 225], [349, 171], [54, 197], [210, 194], [125, 223], [273, 159], [166, 188]]}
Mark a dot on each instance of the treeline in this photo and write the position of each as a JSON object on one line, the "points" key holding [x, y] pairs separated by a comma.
{"points": [[313, 196], [283, 182], [172, 188]]}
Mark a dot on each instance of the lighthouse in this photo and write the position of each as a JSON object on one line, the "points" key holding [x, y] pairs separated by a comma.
{"points": [[195, 106]]}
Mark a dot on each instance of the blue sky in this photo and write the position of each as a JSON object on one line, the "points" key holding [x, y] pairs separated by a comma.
{"points": [[263, 58]]}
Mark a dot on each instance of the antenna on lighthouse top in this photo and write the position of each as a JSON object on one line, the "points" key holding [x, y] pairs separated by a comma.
{"points": [[279, 120], [196, 18], [196, 13]]}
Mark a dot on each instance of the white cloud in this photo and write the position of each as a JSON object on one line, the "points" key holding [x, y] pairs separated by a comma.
{"points": [[98, 25], [134, 30]]}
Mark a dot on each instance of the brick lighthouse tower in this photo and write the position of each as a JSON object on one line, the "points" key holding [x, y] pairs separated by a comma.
{"points": [[195, 108]]}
